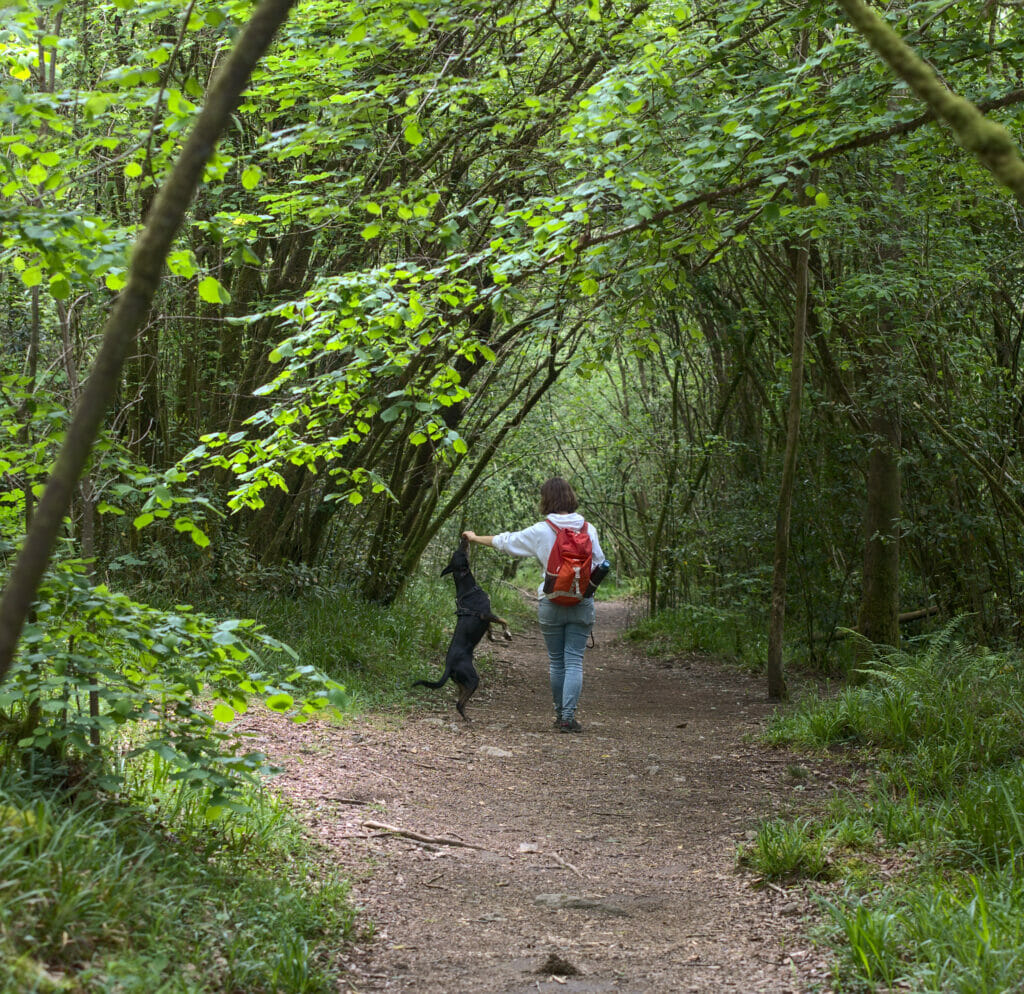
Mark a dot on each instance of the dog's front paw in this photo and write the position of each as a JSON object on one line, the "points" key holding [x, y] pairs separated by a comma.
{"points": [[506, 635]]}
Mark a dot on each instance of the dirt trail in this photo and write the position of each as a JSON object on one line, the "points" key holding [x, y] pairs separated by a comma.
{"points": [[609, 853]]}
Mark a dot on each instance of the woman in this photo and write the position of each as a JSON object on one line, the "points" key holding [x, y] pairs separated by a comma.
{"points": [[566, 628]]}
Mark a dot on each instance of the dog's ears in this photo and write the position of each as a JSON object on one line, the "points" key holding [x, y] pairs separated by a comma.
{"points": [[448, 569]]}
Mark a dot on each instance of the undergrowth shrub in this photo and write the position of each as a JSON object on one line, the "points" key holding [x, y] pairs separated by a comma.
{"points": [[375, 651], [732, 634], [941, 725]]}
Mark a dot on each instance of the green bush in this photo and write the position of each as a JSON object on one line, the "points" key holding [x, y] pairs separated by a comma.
{"points": [[702, 628]]}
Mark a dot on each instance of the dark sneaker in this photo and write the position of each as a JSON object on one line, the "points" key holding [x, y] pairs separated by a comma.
{"points": [[570, 725]]}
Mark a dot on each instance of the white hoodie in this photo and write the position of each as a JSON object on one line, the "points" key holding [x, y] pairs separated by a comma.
{"points": [[538, 540]]}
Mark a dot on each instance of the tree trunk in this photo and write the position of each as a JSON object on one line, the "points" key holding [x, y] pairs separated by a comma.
{"points": [[129, 314], [776, 625], [878, 621]]}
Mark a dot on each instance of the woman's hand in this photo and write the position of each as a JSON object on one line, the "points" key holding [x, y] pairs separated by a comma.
{"points": [[469, 536]]}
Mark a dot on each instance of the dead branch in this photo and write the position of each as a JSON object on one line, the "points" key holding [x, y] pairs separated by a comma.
{"points": [[430, 840], [561, 862]]}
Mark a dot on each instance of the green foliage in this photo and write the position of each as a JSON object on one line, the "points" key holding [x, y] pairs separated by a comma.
{"points": [[784, 850], [945, 729], [97, 664], [372, 329], [377, 651], [732, 634], [963, 936], [373, 650], [165, 901], [155, 672], [913, 708]]}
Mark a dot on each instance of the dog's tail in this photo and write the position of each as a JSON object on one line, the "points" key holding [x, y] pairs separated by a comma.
{"points": [[432, 684]]}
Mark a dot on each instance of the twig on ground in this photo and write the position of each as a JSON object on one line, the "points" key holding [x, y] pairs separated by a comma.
{"points": [[418, 837], [561, 862]]}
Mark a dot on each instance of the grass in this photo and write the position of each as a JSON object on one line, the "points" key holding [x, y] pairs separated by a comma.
{"points": [[375, 651], [785, 850], [943, 727], [98, 896]]}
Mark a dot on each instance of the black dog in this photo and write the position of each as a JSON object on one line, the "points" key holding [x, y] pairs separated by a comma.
{"points": [[473, 621]]}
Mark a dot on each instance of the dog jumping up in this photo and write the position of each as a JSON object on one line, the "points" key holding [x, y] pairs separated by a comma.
{"points": [[473, 620]]}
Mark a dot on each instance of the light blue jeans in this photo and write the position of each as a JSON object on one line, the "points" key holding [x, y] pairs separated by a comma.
{"points": [[566, 630]]}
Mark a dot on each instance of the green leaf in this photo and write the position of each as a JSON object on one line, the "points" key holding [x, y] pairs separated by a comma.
{"points": [[251, 176], [371, 231], [221, 712], [32, 276], [60, 288], [182, 263], [412, 133], [212, 292], [280, 702]]}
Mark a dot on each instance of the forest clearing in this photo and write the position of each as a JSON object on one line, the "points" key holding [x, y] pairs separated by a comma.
{"points": [[302, 299]]}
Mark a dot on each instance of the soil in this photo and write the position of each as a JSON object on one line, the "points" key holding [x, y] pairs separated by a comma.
{"points": [[541, 861]]}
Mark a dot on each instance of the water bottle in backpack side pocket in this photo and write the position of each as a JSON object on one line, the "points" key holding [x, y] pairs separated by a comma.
{"points": [[597, 574]]}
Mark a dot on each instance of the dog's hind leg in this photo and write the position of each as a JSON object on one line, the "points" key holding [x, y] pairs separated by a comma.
{"points": [[466, 691]]}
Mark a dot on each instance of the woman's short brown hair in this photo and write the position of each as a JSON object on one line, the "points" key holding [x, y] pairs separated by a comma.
{"points": [[557, 497]]}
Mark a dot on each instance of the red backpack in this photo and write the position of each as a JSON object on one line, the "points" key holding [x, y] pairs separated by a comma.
{"points": [[568, 570]]}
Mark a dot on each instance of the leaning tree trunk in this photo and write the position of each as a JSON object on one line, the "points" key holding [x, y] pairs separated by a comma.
{"points": [[129, 314]]}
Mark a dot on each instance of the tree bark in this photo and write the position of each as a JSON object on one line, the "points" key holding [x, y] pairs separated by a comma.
{"points": [[776, 625], [128, 316], [878, 620]]}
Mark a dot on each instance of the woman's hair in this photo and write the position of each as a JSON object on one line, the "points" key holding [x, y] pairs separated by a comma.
{"points": [[557, 497]]}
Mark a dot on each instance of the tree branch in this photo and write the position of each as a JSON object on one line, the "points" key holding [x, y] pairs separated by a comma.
{"points": [[988, 140], [127, 317]]}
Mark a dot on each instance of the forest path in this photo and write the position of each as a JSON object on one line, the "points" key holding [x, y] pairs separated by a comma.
{"points": [[610, 853]]}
